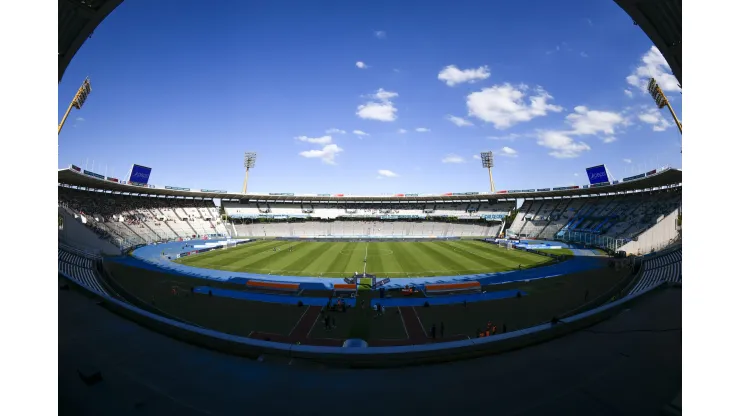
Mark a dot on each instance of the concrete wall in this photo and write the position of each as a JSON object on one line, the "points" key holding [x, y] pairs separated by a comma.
{"points": [[656, 237], [77, 234]]}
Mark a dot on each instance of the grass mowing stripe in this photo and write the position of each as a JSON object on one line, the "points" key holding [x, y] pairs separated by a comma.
{"points": [[323, 262], [450, 257], [508, 258], [488, 257], [267, 259], [407, 260], [309, 255], [478, 261]]}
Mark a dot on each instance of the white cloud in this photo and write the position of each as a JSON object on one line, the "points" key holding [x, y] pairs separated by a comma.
{"points": [[653, 65], [380, 34], [402, 131], [384, 95], [628, 161], [422, 130], [584, 54], [327, 154], [459, 121], [452, 158], [452, 76], [315, 140], [575, 174], [628, 93], [609, 139], [506, 105], [508, 152], [335, 131], [509, 137], [476, 157], [360, 65], [387, 173], [562, 145], [359, 133], [586, 122], [653, 117], [79, 119], [382, 109]]}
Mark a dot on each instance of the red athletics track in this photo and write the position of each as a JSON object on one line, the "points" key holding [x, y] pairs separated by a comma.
{"points": [[416, 333]]}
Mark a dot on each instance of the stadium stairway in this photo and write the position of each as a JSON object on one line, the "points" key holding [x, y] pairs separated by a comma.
{"points": [[656, 270]]}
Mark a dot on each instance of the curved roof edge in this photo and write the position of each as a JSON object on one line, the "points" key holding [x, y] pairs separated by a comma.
{"points": [[666, 177], [77, 21], [661, 22]]}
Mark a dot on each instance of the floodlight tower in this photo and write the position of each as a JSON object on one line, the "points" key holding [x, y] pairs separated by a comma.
{"points": [[486, 159], [661, 101], [77, 102], [249, 159]]}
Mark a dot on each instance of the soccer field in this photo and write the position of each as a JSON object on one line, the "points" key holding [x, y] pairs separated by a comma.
{"points": [[384, 259]]}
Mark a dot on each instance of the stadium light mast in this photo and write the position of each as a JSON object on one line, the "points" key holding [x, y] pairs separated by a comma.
{"points": [[486, 159], [662, 101], [249, 159], [77, 102]]}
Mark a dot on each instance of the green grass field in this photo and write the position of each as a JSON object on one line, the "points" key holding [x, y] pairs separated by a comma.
{"points": [[384, 259]]}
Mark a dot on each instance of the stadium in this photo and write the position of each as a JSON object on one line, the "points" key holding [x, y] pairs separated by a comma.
{"points": [[184, 282]]}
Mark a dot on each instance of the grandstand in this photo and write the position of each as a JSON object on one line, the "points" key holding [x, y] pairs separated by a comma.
{"points": [[611, 217]]}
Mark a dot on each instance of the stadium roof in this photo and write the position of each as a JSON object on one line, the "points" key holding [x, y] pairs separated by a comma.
{"points": [[661, 21], [77, 21], [649, 180]]}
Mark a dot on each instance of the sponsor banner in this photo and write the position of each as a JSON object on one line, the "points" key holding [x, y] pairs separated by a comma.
{"points": [[338, 194], [281, 194], [112, 179], [600, 184], [615, 182], [399, 195], [632, 178], [447, 194], [213, 191], [597, 174], [412, 194], [389, 217], [175, 188], [561, 188], [502, 192], [586, 186], [517, 191], [544, 190], [324, 195], [464, 193], [574, 187], [139, 174], [93, 174], [143, 185], [75, 168], [528, 190], [652, 172]]}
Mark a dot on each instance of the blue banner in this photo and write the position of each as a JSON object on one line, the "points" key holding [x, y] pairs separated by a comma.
{"points": [[597, 174], [544, 190], [93, 174], [140, 174], [175, 188], [632, 178]]}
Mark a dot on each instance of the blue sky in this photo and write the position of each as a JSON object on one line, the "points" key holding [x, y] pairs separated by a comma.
{"points": [[368, 98]]}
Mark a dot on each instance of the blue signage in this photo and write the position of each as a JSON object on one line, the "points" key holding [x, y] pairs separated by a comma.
{"points": [[140, 174], [597, 174]]}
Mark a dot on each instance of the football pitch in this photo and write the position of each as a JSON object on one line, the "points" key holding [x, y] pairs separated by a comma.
{"points": [[384, 259]]}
